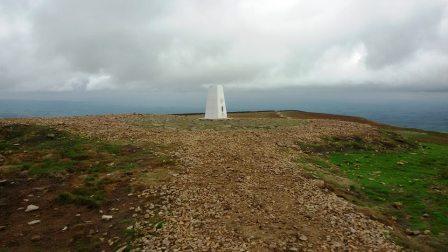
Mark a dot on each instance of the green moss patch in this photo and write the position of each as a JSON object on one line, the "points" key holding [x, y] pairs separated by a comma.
{"points": [[402, 176], [411, 186], [45, 151], [386, 141]]}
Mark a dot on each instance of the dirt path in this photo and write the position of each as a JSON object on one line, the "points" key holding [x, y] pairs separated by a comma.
{"points": [[242, 190]]}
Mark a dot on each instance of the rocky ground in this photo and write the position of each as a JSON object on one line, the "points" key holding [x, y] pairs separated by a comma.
{"points": [[237, 186]]}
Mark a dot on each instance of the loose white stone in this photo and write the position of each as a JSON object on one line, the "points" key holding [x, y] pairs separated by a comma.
{"points": [[33, 222], [30, 208], [106, 217], [303, 238], [122, 249]]}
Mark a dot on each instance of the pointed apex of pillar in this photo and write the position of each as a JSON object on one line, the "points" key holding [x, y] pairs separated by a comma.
{"points": [[216, 104]]}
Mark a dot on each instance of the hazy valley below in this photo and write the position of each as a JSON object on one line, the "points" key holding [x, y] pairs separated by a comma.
{"points": [[421, 114]]}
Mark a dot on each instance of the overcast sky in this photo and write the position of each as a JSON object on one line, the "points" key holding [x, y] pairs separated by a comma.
{"points": [[113, 45]]}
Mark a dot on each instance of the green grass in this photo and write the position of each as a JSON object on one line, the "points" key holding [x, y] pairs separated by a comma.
{"points": [[45, 151], [387, 140], [82, 173], [401, 175], [416, 179], [90, 194], [48, 167]]}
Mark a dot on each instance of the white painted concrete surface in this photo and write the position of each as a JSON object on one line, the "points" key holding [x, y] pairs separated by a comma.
{"points": [[216, 104]]}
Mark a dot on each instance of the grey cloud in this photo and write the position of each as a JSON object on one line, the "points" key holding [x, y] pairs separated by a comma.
{"points": [[182, 45], [393, 43]]}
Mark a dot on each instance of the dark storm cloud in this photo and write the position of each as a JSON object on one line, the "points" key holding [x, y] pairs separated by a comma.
{"points": [[178, 45]]}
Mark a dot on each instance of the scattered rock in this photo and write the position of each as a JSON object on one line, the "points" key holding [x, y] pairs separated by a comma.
{"points": [[51, 135], [397, 205], [31, 208], [427, 232], [33, 222], [122, 249], [35, 238], [3, 181], [303, 238], [425, 215], [319, 183], [64, 228], [2, 159], [2, 228], [412, 232], [106, 217], [113, 240]]}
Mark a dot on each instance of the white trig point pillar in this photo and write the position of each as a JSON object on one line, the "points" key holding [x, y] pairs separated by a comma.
{"points": [[216, 105]]}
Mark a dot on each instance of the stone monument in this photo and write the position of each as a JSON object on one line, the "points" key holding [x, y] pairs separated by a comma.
{"points": [[216, 104]]}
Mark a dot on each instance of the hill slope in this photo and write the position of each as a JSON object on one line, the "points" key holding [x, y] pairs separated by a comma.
{"points": [[254, 182]]}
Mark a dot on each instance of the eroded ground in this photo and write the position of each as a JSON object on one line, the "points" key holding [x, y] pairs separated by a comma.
{"points": [[213, 185]]}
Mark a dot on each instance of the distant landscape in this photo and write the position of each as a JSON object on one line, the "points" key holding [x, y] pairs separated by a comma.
{"points": [[417, 114]]}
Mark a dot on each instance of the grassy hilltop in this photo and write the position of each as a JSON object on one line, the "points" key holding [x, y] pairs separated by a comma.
{"points": [[285, 180]]}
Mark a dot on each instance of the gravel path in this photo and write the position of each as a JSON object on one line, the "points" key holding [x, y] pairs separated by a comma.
{"points": [[241, 189]]}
